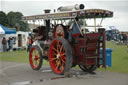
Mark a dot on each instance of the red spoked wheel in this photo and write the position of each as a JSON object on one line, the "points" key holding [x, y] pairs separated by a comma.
{"points": [[60, 56], [35, 57], [88, 68], [60, 31]]}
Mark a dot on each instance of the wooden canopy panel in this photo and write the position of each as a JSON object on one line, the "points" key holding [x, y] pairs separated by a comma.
{"points": [[88, 13]]}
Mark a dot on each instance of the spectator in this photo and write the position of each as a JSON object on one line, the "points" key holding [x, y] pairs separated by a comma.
{"points": [[4, 44], [109, 36], [9, 47], [125, 39], [29, 43], [11, 44]]}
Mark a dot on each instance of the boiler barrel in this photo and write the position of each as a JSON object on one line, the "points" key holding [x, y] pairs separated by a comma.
{"points": [[70, 8]]}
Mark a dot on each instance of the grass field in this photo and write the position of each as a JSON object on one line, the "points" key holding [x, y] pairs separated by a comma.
{"points": [[16, 56], [119, 58]]}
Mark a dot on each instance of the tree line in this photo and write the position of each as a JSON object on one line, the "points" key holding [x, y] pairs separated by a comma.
{"points": [[13, 20]]}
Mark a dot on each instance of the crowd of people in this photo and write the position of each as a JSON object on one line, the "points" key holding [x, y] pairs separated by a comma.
{"points": [[118, 38], [7, 44]]}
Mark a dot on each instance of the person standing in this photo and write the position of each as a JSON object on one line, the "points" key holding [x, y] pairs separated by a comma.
{"points": [[4, 44], [9, 47], [29, 43], [11, 44]]}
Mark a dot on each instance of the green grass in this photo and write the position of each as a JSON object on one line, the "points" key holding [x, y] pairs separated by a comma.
{"points": [[16, 56], [119, 58]]}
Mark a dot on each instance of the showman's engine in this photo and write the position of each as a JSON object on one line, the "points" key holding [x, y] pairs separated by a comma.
{"points": [[71, 7]]}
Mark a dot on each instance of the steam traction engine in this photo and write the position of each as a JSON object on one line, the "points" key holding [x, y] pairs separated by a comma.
{"points": [[67, 45]]}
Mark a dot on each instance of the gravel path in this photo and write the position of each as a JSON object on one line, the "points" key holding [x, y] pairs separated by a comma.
{"points": [[21, 74]]}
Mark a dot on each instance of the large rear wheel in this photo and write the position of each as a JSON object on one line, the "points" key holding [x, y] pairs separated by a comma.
{"points": [[60, 56], [35, 57]]}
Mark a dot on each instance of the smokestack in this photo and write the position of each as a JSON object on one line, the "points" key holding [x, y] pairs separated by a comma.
{"points": [[47, 11], [47, 22]]}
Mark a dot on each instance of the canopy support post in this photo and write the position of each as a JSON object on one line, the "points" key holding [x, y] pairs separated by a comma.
{"points": [[95, 24]]}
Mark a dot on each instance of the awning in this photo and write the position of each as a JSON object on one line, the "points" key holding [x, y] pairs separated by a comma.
{"points": [[5, 30]]}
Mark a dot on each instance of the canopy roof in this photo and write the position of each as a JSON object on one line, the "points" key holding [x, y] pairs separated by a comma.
{"points": [[5, 30], [87, 13]]}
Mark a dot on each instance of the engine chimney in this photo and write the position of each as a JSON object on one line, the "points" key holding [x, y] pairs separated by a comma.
{"points": [[47, 11]]}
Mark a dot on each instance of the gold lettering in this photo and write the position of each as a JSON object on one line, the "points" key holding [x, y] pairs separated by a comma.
{"points": [[94, 11]]}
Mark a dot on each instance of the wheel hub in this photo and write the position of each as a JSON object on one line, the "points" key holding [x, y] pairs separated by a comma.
{"points": [[58, 56], [36, 58]]}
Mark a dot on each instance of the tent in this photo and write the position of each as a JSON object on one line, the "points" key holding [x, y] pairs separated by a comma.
{"points": [[5, 30]]}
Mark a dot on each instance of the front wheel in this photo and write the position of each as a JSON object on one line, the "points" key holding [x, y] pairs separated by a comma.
{"points": [[60, 56], [35, 57]]}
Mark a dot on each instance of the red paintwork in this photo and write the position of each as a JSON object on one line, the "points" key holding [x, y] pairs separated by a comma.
{"points": [[57, 63], [86, 50], [34, 58]]}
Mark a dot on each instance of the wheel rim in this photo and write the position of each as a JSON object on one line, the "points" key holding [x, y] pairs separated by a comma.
{"points": [[57, 56], [59, 32], [34, 58]]}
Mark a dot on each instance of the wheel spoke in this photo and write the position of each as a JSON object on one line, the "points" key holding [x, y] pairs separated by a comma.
{"points": [[62, 67], [58, 46], [35, 62], [57, 64], [33, 55], [63, 60], [63, 57], [61, 48], [62, 54], [55, 49], [35, 52], [38, 54], [54, 53], [52, 59]]}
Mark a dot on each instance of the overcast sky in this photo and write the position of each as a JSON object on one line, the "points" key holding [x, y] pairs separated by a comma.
{"points": [[32, 7]]}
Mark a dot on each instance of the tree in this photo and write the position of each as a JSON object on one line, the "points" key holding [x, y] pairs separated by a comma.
{"points": [[15, 20], [3, 18], [23, 26]]}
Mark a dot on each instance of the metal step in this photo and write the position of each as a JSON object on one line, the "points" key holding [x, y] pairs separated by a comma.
{"points": [[92, 57]]}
